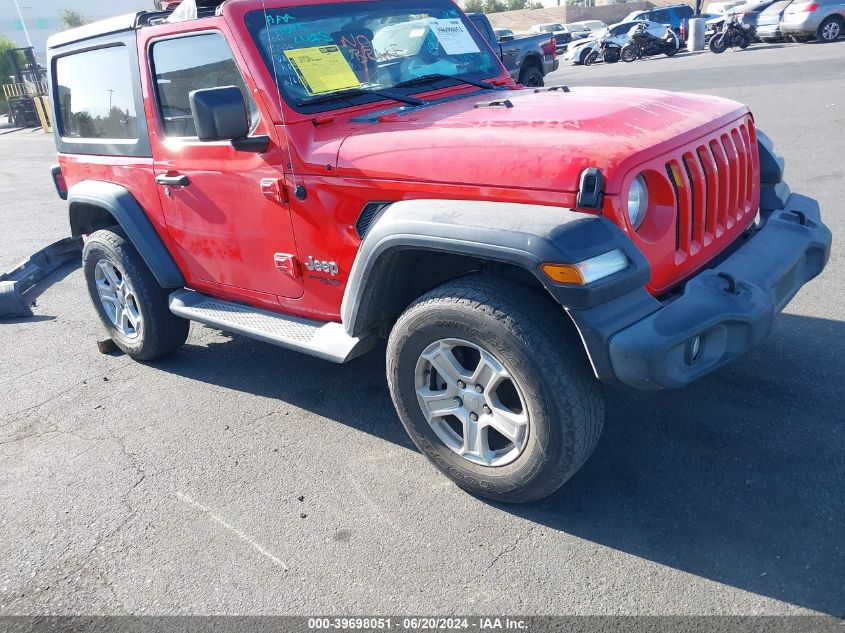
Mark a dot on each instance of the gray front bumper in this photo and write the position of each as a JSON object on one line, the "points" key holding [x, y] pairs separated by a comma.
{"points": [[730, 308]]}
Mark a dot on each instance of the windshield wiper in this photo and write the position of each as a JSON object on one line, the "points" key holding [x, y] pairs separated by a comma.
{"points": [[424, 79], [355, 92]]}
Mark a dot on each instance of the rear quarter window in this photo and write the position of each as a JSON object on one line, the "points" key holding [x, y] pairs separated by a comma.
{"points": [[94, 95]]}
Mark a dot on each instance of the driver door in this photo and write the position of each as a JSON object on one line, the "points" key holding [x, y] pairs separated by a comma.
{"points": [[228, 231]]}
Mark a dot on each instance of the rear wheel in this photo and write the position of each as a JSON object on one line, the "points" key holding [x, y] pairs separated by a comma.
{"points": [[531, 76], [718, 43], [744, 41], [830, 29], [130, 303], [491, 392], [674, 46]]}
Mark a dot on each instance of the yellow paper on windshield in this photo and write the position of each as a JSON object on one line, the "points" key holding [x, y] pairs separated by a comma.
{"points": [[322, 69]]}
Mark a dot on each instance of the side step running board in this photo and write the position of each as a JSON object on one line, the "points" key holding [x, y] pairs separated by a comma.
{"points": [[324, 340]]}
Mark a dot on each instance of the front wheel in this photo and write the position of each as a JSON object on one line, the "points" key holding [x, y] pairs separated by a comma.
{"points": [[494, 389], [591, 59], [630, 52], [129, 301], [718, 43]]}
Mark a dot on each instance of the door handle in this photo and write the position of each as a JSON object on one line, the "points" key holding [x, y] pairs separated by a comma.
{"points": [[179, 180]]}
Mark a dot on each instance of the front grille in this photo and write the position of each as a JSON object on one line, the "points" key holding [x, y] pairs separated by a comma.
{"points": [[714, 188]]}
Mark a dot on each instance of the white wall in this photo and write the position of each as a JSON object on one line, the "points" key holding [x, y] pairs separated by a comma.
{"points": [[41, 17]]}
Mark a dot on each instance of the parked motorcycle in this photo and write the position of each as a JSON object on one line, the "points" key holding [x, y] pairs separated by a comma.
{"points": [[733, 33], [641, 43], [606, 51]]}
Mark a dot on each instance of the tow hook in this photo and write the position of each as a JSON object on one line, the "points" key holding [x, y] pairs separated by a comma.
{"points": [[802, 219], [733, 286]]}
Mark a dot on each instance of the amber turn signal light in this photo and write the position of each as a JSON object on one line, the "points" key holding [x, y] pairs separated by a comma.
{"points": [[588, 270], [563, 273]]}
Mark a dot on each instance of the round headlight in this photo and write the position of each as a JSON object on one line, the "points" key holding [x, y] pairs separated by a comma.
{"points": [[637, 202]]}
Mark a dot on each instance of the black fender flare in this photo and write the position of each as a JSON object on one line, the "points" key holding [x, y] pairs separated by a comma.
{"points": [[523, 235], [118, 202]]}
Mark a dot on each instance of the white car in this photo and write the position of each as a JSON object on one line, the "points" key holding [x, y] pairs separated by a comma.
{"points": [[724, 7], [584, 29], [578, 50]]}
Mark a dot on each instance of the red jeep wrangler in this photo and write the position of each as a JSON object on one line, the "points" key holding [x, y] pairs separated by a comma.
{"points": [[321, 174]]}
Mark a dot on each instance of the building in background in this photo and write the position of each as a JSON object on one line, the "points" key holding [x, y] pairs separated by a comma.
{"points": [[41, 18]]}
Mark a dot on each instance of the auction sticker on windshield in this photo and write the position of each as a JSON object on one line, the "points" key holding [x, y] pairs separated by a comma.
{"points": [[453, 36], [322, 69]]}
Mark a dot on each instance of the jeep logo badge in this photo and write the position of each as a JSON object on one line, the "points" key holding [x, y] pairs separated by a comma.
{"points": [[321, 266]]}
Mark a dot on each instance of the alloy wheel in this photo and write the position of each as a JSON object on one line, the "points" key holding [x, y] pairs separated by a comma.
{"points": [[118, 298], [830, 32], [472, 402]]}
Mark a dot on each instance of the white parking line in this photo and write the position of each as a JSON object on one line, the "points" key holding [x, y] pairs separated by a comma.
{"points": [[232, 529]]}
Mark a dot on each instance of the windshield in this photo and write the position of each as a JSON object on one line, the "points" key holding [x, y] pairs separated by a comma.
{"points": [[351, 48]]}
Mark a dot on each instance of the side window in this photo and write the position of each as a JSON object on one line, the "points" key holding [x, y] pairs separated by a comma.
{"points": [[96, 104], [661, 16], [184, 64], [684, 12]]}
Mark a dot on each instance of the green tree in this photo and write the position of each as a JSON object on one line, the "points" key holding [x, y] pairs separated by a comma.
{"points": [[72, 18], [494, 6], [474, 6], [6, 68], [516, 5]]}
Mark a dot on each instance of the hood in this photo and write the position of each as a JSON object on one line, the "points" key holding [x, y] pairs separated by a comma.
{"points": [[544, 141]]}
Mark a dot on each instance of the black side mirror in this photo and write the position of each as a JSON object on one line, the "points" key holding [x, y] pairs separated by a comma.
{"points": [[219, 113]]}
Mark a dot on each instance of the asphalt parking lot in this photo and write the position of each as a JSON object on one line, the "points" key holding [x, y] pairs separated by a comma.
{"points": [[235, 477]]}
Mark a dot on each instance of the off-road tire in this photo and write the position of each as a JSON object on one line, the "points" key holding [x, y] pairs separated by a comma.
{"points": [[831, 29], [529, 335], [531, 76], [160, 331]]}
